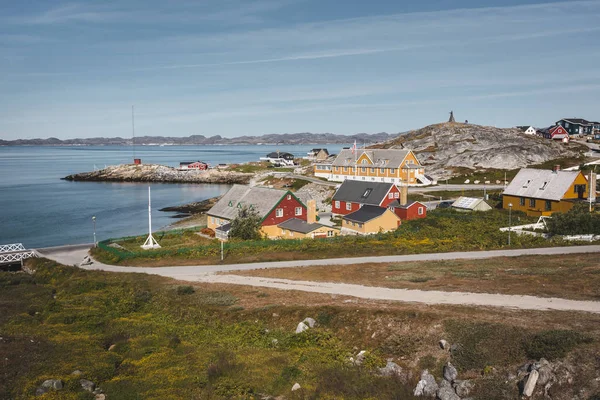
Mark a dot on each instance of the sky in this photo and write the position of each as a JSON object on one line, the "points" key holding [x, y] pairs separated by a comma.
{"points": [[251, 67]]}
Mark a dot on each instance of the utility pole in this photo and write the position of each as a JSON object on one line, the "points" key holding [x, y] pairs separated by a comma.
{"points": [[509, 221]]}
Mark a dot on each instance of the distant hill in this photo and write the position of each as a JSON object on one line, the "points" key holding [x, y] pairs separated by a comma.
{"points": [[282, 139], [447, 148]]}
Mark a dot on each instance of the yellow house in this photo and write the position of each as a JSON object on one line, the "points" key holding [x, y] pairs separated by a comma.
{"points": [[369, 220], [298, 229], [539, 192], [375, 165]]}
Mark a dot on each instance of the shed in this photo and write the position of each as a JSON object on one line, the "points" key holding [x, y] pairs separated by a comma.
{"points": [[471, 204]]}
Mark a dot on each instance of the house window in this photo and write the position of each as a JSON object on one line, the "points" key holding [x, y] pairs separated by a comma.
{"points": [[337, 204], [354, 224], [548, 205], [367, 193], [279, 212], [348, 206], [360, 225], [230, 203], [345, 169], [522, 201], [566, 124], [364, 161], [364, 169], [329, 233], [372, 170], [382, 170], [579, 189], [282, 232], [531, 202], [363, 178], [396, 195], [298, 210], [392, 170], [420, 211], [289, 196], [212, 219], [391, 196]]}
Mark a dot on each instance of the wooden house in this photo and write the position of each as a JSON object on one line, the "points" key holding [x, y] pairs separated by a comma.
{"points": [[370, 220], [374, 165], [576, 126], [295, 228], [408, 210], [193, 165], [556, 132], [352, 195], [279, 158], [540, 192], [318, 155], [528, 130]]}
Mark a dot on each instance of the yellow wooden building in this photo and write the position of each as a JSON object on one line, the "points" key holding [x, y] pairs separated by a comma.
{"points": [[540, 192], [369, 220], [376, 165]]}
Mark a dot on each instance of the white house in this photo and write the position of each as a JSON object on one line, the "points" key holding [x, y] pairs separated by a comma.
{"points": [[528, 130], [279, 158]]}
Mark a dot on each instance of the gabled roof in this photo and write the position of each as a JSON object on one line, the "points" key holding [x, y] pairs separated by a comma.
{"points": [[577, 121], [388, 158], [280, 154], [191, 162], [260, 199], [365, 214], [541, 184], [224, 228], [298, 225], [468, 203], [396, 204], [315, 151], [362, 192]]}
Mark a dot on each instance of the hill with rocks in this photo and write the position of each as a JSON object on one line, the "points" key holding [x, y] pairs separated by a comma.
{"points": [[444, 149]]}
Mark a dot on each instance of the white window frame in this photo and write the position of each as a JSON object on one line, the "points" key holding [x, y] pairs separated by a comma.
{"points": [[420, 211], [279, 212], [298, 211], [329, 233], [348, 206], [337, 204], [396, 195], [390, 195]]}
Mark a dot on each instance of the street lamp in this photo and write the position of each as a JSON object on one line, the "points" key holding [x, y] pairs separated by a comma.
{"points": [[484, 194], [94, 222], [509, 221]]}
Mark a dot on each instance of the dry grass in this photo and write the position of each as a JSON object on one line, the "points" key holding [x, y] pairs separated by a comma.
{"points": [[566, 276]]}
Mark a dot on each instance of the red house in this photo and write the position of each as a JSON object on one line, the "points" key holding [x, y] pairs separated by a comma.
{"points": [[352, 195], [412, 210], [555, 133], [197, 165]]}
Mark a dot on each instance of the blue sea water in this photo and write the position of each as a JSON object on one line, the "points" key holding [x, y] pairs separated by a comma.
{"points": [[39, 209]]}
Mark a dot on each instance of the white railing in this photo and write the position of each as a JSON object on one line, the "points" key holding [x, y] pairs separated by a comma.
{"points": [[9, 248]]}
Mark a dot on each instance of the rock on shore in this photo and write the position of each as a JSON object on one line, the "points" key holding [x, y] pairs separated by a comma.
{"points": [[159, 173]]}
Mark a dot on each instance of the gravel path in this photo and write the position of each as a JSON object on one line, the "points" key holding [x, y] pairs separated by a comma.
{"points": [[71, 255]]}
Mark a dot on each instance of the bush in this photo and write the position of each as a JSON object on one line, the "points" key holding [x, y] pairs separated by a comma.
{"points": [[208, 232], [553, 344], [183, 290], [578, 221]]}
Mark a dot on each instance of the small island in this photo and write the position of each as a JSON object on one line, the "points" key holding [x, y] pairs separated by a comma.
{"points": [[160, 173]]}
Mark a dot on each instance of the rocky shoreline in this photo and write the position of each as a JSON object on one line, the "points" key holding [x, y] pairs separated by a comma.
{"points": [[159, 173]]}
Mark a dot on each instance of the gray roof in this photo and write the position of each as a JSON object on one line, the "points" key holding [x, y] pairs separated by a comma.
{"points": [[396, 204], [362, 192], [261, 199], [297, 225], [224, 228], [541, 183], [365, 214], [388, 158]]}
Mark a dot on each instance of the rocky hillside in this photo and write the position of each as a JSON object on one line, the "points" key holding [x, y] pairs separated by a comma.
{"points": [[159, 173], [448, 147]]}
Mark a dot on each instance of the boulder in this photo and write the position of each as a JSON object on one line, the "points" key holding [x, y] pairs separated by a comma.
{"points": [[100, 396], [463, 388], [302, 327], [360, 357], [446, 392], [296, 387], [450, 373], [545, 375], [310, 322], [444, 345], [112, 347], [76, 373], [391, 369], [47, 385], [427, 386], [529, 386], [87, 385]]}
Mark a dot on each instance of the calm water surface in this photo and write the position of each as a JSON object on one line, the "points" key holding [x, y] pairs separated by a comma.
{"points": [[39, 209]]}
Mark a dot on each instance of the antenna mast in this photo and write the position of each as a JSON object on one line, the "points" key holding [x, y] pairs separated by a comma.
{"points": [[133, 130], [150, 242]]}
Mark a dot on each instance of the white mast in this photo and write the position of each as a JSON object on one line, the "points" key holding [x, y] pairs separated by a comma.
{"points": [[150, 243]]}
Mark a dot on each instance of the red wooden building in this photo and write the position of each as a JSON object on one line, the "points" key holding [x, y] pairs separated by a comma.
{"points": [[352, 195], [412, 210]]}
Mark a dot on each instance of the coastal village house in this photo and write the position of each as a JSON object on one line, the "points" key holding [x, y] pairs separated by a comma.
{"points": [[471, 204], [370, 220], [540, 192], [352, 195], [193, 165], [279, 158], [375, 165], [407, 211], [556, 132], [528, 130], [274, 206], [318, 155], [578, 126]]}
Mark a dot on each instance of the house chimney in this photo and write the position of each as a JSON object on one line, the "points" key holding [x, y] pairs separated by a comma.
{"points": [[556, 168], [403, 195], [311, 211]]}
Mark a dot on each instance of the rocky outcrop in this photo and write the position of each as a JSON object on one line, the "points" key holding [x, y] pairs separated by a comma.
{"points": [[444, 148], [159, 173]]}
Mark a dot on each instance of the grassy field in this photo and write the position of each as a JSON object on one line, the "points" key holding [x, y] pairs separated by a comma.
{"points": [[574, 276], [441, 231], [145, 337]]}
